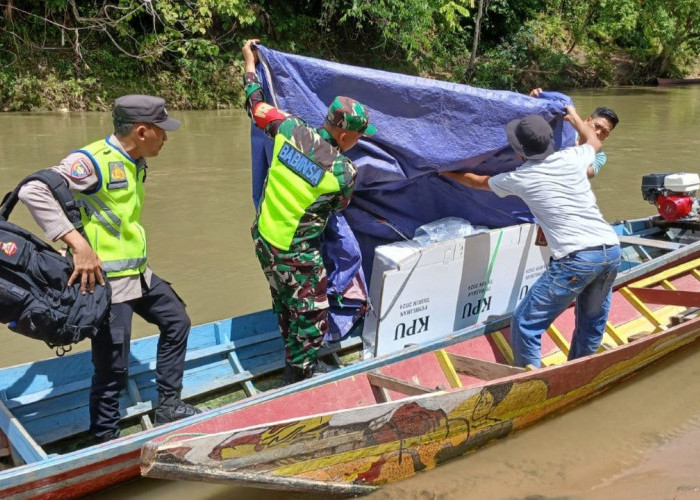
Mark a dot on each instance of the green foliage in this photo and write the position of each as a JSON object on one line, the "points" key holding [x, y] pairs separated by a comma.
{"points": [[453, 12], [411, 30], [673, 29], [55, 56], [30, 92]]}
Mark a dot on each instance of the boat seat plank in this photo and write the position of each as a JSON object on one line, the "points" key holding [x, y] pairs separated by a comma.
{"points": [[255, 368], [387, 383], [42, 415], [558, 338], [74, 417], [135, 370], [667, 297], [73, 421], [250, 354], [503, 346], [21, 441], [70, 423], [686, 315], [484, 370], [640, 306], [62, 411], [672, 272], [135, 395], [448, 369], [247, 349], [664, 245]]}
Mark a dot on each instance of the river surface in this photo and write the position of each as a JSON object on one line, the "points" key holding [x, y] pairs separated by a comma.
{"points": [[638, 441]]}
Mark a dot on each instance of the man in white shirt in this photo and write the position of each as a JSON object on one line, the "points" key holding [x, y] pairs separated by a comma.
{"points": [[585, 249]]}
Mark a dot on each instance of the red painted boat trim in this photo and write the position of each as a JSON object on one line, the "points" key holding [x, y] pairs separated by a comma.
{"points": [[82, 486]]}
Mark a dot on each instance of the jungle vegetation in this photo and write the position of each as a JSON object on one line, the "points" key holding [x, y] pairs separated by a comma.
{"points": [[79, 55]]}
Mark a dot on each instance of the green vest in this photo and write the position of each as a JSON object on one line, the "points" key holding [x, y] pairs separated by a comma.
{"points": [[294, 182], [111, 212]]}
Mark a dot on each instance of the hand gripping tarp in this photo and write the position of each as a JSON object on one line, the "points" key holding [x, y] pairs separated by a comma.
{"points": [[423, 127]]}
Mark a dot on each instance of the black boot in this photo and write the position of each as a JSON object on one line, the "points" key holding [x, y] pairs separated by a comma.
{"points": [[294, 374], [172, 408], [321, 368], [109, 436]]}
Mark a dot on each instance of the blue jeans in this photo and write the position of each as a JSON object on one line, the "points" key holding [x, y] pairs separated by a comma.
{"points": [[586, 276]]}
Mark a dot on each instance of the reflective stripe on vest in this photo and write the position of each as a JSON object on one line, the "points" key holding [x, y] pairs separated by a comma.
{"points": [[294, 181], [112, 266], [94, 212], [111, 214]]}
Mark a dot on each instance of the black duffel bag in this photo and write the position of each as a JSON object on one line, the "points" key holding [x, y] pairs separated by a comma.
{"points": [[34, 297]]}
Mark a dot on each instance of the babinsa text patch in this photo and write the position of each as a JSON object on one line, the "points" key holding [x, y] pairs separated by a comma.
{"points": [[301, 164]]}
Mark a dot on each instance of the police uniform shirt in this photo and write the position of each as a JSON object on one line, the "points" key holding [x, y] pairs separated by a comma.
{"points": [[79, 172]]}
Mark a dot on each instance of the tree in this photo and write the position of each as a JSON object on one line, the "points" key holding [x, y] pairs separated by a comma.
{"points": [[673, 27]]}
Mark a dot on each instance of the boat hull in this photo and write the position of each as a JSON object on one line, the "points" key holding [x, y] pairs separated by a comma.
{"points": [[677, 81], [70, 480], [375, 445]]}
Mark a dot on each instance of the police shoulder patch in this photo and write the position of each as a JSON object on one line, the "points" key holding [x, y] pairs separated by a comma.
{"points": [[79, 170], [300, 164]]}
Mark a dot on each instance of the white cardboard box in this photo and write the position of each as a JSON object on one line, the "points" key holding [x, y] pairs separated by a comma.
{"points": [[499, 266], [425, 293]]}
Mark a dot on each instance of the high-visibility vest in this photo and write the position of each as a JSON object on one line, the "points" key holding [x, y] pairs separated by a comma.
{"points": [[111, 212], [294, 182]]}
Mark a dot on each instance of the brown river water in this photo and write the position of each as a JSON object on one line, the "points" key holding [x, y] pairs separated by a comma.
{"points": [[638, 441]]}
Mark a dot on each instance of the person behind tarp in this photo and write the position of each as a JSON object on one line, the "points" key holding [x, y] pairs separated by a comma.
{"points": [[308, 179], [107, 180], [603, 120], [585, 249]]}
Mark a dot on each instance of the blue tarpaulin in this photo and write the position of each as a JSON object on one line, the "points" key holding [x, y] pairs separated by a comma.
{"points": [[424, 127]]}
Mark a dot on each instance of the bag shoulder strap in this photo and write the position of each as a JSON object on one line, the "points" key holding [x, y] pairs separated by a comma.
{"points": [[59, 189]]}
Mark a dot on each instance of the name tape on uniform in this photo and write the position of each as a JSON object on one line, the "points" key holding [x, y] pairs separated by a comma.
{"points": [[294, 159]]}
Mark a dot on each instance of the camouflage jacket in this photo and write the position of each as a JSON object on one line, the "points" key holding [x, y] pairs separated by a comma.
{"points": [[316, 145]]}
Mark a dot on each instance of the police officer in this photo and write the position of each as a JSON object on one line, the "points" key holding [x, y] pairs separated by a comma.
{"points": [[107, 179], [308, 179]]}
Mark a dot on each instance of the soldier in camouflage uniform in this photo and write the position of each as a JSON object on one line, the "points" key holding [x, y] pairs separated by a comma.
{"points": [[308, 179]]}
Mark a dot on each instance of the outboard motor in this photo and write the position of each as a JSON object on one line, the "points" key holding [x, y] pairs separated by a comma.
{"points": [[673, 194]]}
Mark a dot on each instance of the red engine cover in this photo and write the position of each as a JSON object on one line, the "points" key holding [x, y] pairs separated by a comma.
{"points": [[674, 206]]}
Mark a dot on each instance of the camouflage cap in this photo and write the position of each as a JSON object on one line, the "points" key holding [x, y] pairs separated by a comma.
{"points": [[348, 114]]}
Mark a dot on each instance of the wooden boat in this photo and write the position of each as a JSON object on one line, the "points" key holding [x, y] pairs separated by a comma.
{"points": [[677, 81], [388, 420], [43, 407], [354, 434]]}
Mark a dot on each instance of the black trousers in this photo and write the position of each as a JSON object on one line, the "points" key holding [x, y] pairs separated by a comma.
{"points": [[159, 305]]}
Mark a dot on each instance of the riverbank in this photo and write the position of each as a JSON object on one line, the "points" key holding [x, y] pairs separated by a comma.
{"points": [[50, 84], [79, 56]]}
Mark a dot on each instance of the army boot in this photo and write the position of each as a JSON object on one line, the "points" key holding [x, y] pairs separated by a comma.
{"points": [[293, 374]]}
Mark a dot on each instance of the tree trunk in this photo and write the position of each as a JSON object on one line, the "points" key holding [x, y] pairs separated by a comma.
{"points": [[475, 45]]}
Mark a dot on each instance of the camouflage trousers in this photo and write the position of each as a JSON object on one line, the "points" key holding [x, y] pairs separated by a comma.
{"points": [[298, 282]]}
